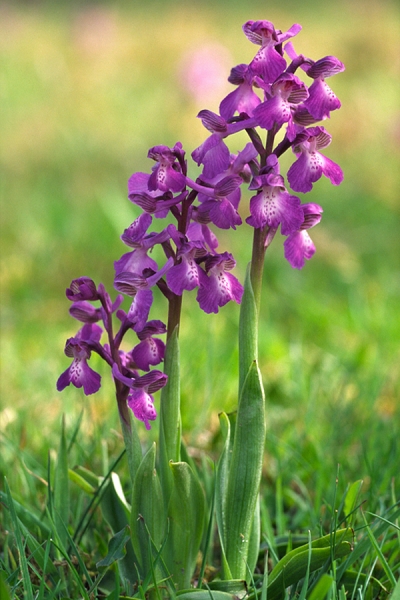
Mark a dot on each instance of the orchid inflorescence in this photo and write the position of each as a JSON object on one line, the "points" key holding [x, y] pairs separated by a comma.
{"points": [[268, 95]]}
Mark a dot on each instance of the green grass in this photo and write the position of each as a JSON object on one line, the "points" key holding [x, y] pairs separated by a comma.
{"points": [[86, 91]]}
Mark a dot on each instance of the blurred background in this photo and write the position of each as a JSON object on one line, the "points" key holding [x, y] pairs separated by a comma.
{"points": [[86, 89]]}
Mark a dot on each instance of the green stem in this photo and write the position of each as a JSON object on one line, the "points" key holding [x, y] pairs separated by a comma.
{"points": [[257, 264], [170, 410], [174, 315]]}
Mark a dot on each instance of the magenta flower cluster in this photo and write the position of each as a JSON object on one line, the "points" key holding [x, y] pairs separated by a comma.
{"points": [[268, 95]]}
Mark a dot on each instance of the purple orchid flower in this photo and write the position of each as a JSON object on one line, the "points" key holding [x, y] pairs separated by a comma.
{"points": [[243, 99], [79, 373], [137, 260], [310, 164], [268, 62], [286, 92], [151, 350], [219, 287], [213, 154], [166, 175], [273, 205], [184, 275], [322, 100], [140, 399], [221, 209], [82, 288], [299, 245]]}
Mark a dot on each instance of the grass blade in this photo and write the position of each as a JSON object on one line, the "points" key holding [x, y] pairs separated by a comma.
{"points": [[20, 544], [61, 488]]}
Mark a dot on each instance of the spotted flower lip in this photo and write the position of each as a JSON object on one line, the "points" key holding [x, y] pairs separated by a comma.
{"points": [[310, 164], [79, 349], [286, 92], [166, 174], [274, 206], [218, 287]]}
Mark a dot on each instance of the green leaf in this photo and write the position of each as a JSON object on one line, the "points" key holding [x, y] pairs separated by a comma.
{"points": [[117, 513], [4, 589], [116, 548], [115, 510], [61, 488], [233, 586], [254, 542], [222, 485], [350, 501], [170, 416], [91, 478], [293, 567], [186, 514], [206, 595], [81, 482], [28, 517], [148, 518], [245, 473], [396, 592], [379, 552], [322, 588], [132, 444]]}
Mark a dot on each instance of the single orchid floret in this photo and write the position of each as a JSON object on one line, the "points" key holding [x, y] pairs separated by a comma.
{"points": [[273, 205], [322, 100], [299, 246], [82, 288], [166, 174], [213, 153], [138, 260], [287, 91], [310, 164], [222, 208], [184, 275], [151, 350], [243, 99], [140, 400], [79, 373], [268, 62], [218, 287]]}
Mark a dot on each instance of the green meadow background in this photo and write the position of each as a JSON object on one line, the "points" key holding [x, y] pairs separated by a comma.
{"points": [[86, 90]]}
